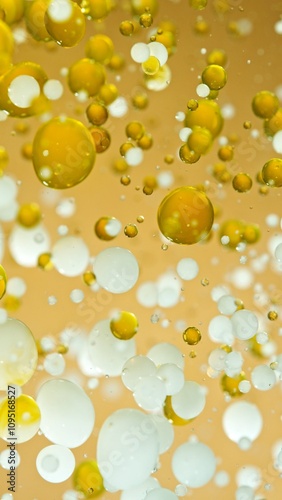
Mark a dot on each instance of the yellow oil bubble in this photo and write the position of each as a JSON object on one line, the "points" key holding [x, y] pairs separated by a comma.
{"points": [[29, 215], [150, 181], [231, 233], [101, 138], [29, 77], [146, 20], [272, 315], [207, 115], [11, 303], [27, 418], [198, 4], [13, 11], [45, 261], [146, 142], [200, 140], [120, 166], [107, 228], [6, 39], [256, 349], [131, 230], [272, 172], [192, 104], [125, 180], [170, 414], [4, 158], [86, 75], [231, 384], [273, 124], [151, 66], [187, 155], [88, 479], [265, 104], [140, 219], [226, 153], [169, 159], [100, 48], [69, 32], [166, 36], [124, 325], [221, 173], [108, 93], [140, 99], [192, 335], [63, 153], [3, 281], [217, 56], [126, 28], [135, 130], [242, 182], [97, 113], [89, 278], [140, 6], [34, 15], [214, 76], [147, 190], [99, 9], [201, 27], [247, 125], [126, 146], [185, 216]]}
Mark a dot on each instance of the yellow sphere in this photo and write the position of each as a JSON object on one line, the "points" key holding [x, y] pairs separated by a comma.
{"points": [[265, 104], [63, 153], [88, 479], [185, 216], [214, 76], [29, 215], [233, 233], [13, 10], [69, 32], [273, 124], [217, 56], [200, 140], [242, 182], [272, 172], [100, 48], [86, 75], [34, 14], [27, 418], [207, 115], [140, 6], [124, 325]]}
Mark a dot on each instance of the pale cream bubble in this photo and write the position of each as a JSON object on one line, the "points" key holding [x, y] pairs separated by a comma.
{"points": [[159, 51], [135, 369], [150, 393], [194, 464], [139, 492], [55, 463], [172, 376], [161, 494], [263, 378], [23, 90], [187, 269], [116, 269], [26, 245], [190, 401], [242, 420], [140, 52], [70, 256], [165, 352]]}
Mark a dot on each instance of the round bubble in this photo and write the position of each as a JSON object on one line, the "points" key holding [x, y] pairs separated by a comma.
{"points": [[165, 431], [166, 353], [172, 376], [220, 330], [187, 269], [27, 418], [18, 353], [140, 492], [150, 393], [107, 353], [26, 245], [147, 294], [263, 378], [116, 269], [55, 463], [245, 324], [161, 494], [249, 475], [67, 413], [135, 369], [244, 493], [8, 190], [127, 448], [194, 464], [242, 420], [70, 256], [190, 401]]}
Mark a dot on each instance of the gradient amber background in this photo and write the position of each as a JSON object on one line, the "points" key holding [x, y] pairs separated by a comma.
{"points": [[254, 64]]}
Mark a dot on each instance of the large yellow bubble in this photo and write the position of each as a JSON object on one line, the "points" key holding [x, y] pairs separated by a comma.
{"points": [[185, 216], [88, 479], [63, 153], [26, 417], [18, 353], [272, 172], [69, 31], [207, 115]]}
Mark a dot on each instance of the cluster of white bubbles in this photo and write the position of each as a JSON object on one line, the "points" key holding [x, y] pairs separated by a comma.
{"points": [[164, 292], [116, 269], [140, 52], [62, 426]]}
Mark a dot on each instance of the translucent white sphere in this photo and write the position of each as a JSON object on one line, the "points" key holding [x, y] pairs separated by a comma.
{"points": [[220, 330], [169, 290], [53, 89], [244, 493], [166, 353], [147, 294], [249, 475], [159, 51], [242, 420], [140, 492], [233, 363], [193, 464], [263, 378], [54, 363], [16, 287], [127, 448], [221, 479], [245, 324], [70, 256], [135, 369], [217, 358], [55, 463], [165, 431], [150, 393], [66, 207], [187, 269], [8, 190], [190, 401], [140, 52], [172, 376], [202, 90], [161, 494], [277, 141], [107, 353], [67, 413], [116, 269], [118, 108], [278, 252], [26, 245], [226, 304], [18, 353], [60, 11], [134, 156], [23, 90]]}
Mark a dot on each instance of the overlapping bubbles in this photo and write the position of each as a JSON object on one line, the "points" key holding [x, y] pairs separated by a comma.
{"points": [[170, 269]]}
